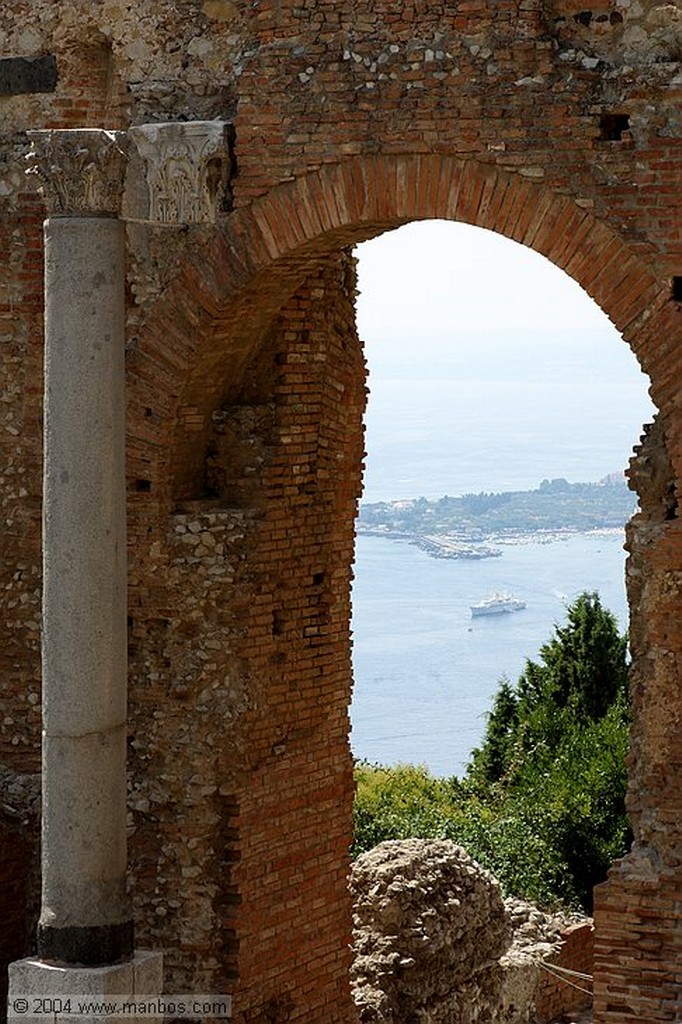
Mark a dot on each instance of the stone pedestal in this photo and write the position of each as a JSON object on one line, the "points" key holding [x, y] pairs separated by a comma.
{"points": [[42, 993]]}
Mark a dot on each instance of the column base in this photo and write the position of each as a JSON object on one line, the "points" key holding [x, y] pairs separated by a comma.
{"points": [[45, 993], [95, 946]]}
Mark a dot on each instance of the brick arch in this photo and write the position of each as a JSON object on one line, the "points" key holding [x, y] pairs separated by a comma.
{"points": [[222, 301], [345, 203]]}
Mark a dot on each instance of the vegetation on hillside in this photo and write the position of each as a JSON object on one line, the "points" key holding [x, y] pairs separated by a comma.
{"points": [[542, 804], [554, 505]]}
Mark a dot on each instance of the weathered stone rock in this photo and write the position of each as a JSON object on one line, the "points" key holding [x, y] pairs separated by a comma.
{"points": [[427, 920], [434, 941]]}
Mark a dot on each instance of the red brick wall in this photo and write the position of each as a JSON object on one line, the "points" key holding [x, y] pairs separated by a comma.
{"points": [[560, 993], [241, 678], [637, 946]]}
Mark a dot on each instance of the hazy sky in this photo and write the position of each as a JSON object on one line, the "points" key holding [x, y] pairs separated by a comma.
{"points": [[489, 367], [433, 275]]}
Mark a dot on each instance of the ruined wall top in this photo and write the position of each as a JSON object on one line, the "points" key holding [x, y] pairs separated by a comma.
{"points": [[583, 99], [159, 61]]}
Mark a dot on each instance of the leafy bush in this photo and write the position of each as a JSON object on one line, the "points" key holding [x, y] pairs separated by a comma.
{"points": [[407, 801], [398, 803]]}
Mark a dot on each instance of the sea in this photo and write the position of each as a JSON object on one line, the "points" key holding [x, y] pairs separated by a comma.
{"points": [[453, 415]]}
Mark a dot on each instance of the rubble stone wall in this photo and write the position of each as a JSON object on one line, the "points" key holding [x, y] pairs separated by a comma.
{"points": [[555, 124], [434, 940]]}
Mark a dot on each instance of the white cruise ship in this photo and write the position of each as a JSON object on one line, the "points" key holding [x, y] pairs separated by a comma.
{"points": [[497, 604]]}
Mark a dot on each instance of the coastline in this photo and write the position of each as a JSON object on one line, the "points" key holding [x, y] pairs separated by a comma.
{"points": [[490, 545]]}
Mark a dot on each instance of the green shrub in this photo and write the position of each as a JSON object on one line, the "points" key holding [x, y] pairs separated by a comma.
{"points": [[398, 803]]}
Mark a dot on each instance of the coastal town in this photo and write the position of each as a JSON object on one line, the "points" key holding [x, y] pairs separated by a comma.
{"points": [[476, 526]]}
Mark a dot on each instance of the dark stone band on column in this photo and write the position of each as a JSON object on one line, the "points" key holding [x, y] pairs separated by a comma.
{"points": [[95, 946], [23, 75]]}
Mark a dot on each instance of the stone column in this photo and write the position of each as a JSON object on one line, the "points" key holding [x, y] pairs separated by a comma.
{"points": [[175, 175], [85, 914]]}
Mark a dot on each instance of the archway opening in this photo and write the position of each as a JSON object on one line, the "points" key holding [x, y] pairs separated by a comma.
{"points": [[491, 373]]}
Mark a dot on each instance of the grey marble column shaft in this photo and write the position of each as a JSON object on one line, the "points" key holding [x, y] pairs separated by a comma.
{"points": [[84, 915]]}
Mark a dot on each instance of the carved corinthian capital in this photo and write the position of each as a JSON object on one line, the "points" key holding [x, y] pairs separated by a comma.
{"points": [[80, 170], [178, 172]]}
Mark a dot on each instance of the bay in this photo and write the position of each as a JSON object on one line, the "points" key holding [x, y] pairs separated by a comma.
{"points": [[491, 412], [497, 411], [425, 670]]}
